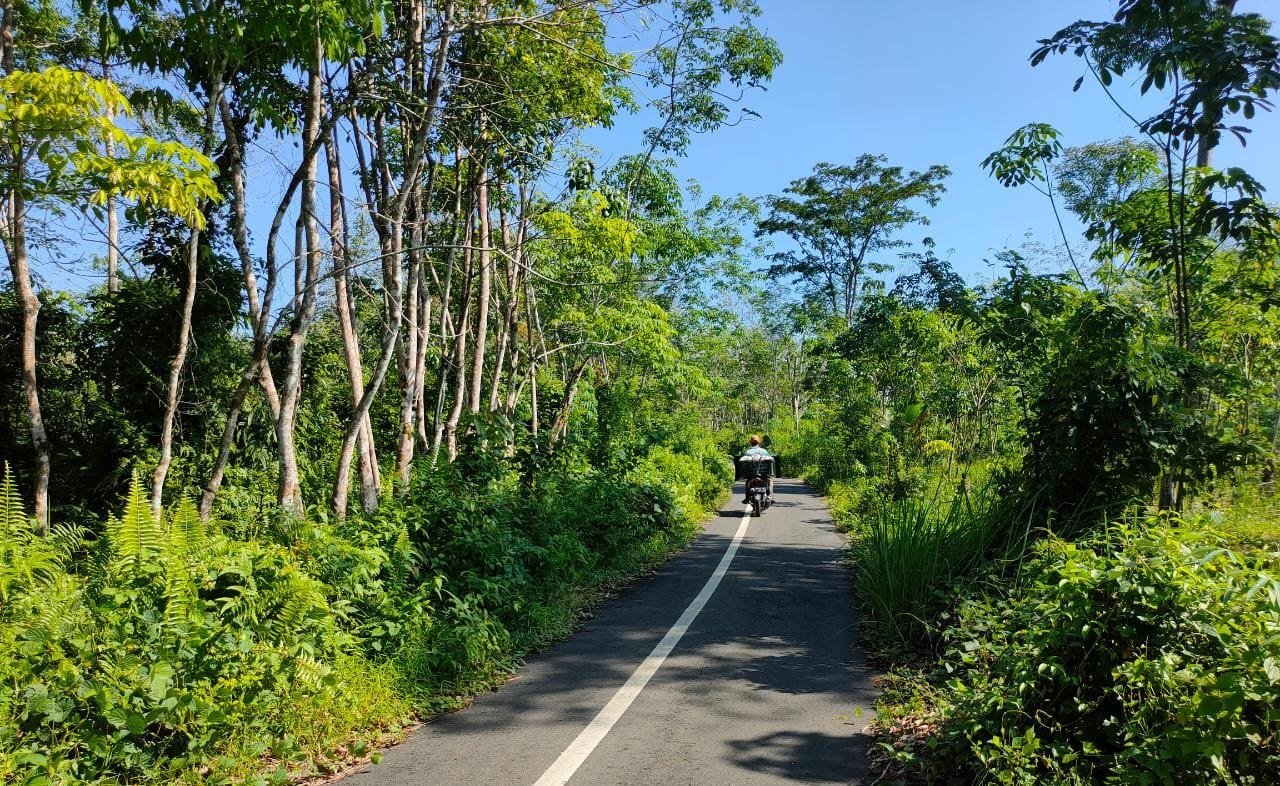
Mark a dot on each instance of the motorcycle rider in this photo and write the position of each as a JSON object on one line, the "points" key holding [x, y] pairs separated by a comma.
{"points": [[756, 450]]}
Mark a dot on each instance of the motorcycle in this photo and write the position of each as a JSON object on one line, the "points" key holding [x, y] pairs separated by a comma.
{"points": [[757, 470]]}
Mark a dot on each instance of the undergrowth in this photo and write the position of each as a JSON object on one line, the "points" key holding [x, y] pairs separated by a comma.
{"points": [[170, 650], [1148, 653]]}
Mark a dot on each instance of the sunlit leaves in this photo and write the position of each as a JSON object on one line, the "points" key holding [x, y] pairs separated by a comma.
{"points": [[1096, 176], [56, 122], [710, 43], [1025, 156], [1214, 62]]}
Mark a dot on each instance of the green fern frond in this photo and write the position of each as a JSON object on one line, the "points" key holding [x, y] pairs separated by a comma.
{"points": [[13, 518], [243, 607], [310, 672], [54, 611], [64, 540], [298, 595], [136, 537], [98, 571], [180, 596], [401, 552], [28, 561], [186, 533], [183, 538]]}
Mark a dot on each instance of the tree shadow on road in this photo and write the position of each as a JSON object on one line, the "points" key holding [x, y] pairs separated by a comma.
{"points": [[804, 757]]}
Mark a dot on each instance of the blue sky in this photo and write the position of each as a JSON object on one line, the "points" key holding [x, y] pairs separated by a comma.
{"points": [[924, 82]]}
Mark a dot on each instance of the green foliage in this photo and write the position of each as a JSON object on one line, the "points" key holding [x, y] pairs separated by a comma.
{"points": [[105, 359], [1025, 157], [165, 655], [1094, 177], [838, 216], [1100, 425], [175, 647], [1143, 652], [1217, 62], [1147, 654], [713, 45], [910, 554], [508, 568], [55, 120]]}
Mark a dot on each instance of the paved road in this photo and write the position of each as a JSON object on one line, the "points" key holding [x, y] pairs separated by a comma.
{"points": [[765, 686]]}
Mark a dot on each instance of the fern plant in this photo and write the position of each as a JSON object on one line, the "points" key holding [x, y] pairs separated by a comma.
{"points": [[137, 538], [184, 536], [26, 559]]}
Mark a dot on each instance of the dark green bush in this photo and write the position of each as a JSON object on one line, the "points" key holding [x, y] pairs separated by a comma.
{"points": [[1147, 654]]}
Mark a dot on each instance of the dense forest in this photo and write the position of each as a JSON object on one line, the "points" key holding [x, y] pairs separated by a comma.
{"points": [[386, 376]]}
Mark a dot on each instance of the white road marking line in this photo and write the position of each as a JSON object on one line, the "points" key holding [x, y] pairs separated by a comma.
{"points": [[564, 767]]}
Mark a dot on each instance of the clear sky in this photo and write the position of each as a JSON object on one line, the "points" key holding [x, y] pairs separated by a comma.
{"points": [[924, 82]]}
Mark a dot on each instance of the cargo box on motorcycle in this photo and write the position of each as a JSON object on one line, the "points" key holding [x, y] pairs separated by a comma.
{"points": [[755, 466]]}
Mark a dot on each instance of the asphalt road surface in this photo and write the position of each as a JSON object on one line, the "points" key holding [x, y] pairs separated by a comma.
{"points": [[763, 685]]}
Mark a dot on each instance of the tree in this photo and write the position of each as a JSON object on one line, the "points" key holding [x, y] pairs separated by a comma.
{"points": [[1024, 160], [935, 285], [55, 123], [838, 218], [1214, 63], [708, 43]]}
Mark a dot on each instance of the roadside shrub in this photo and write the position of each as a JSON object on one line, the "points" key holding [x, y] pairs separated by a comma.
{"points": [[161, 654], [1147, 654], [1101, 425], [458, 652], [852, 501], [169, 650], [506, 567], [692, 487]]}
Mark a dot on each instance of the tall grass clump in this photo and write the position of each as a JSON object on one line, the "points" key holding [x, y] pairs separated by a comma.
{"points": [[909, 552]]}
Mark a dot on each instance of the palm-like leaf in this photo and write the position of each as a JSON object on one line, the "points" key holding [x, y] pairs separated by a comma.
{"points": [[137, 537], [27, 560]]}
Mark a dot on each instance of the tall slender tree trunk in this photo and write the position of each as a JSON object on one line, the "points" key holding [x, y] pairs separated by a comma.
{"points": [[460, 355], [209, 493], [482, 299], [1211, 112], [560, 426], [177, 368], [306, 282], [408, 371], [338, 502], [425, 79], [448, 328], [20, 268], [420, 366], [15, 246], [508, 336], [367, 462], [258, 371]]}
